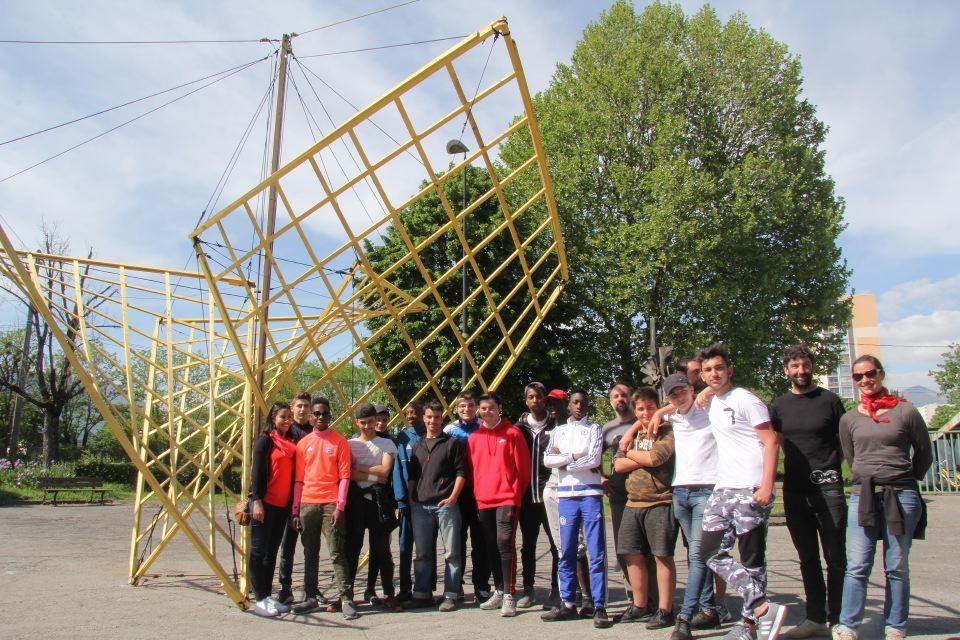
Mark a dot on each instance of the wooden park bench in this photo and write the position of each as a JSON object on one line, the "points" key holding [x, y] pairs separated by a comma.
{"points": [[57, 486]]}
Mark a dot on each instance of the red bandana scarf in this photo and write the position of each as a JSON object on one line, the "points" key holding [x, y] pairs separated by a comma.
{"points": [[882, 399]]}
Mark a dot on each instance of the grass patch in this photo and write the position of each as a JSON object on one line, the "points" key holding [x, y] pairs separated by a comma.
{"points": [[10, 494]]}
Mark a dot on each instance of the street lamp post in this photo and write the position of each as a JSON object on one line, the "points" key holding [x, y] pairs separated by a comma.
{"points": [[453, 148]]}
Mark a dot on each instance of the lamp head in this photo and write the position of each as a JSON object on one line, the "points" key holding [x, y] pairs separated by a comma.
{"points": [[455, 146]]}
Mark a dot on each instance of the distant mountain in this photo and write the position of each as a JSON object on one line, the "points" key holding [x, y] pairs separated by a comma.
{"points": [[919, 396]]}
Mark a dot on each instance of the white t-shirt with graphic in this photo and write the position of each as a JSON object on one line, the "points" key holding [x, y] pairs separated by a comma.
{"points": [[370, 453], [696, 448], [734, 417]]}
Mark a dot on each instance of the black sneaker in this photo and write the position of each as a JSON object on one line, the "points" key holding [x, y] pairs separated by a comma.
{"points": [[633, 613], [306, 606], [587, 610], [403, 596], [600, 619], [682, 630], [560, 614], [417, 603], [661, 620], [553, 600], [285, 597], [348, 609], [371, 597], [705, 620]]}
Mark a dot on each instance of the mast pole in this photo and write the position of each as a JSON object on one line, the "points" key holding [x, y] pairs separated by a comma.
{"points": [[270, 225]]}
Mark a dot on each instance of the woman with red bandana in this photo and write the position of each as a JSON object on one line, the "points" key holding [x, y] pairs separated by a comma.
{"points": [[885, 441], [271, 492]]}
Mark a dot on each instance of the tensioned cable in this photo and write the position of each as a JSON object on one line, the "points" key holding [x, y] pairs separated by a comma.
{"points": [[134, 119], [120, 106], [309, 115], [357, 109], [476, 92], [264, 168], [228, 170], [365, 15], [6, 225], [344, 142], [385, 46], [228, 41], [235, 157]]}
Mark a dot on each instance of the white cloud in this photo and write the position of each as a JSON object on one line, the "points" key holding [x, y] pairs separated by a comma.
{"points": [[912, 346], [929, 295]]}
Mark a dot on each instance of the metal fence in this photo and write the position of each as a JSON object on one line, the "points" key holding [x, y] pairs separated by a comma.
{"points": [[944, 473]]}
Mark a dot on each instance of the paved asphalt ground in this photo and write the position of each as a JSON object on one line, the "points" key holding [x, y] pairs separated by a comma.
{"points": [[63, 575]]}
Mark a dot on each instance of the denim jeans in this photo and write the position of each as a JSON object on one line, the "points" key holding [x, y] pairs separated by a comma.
{"points": [[427, 518], [688, 505], [861, 549]]}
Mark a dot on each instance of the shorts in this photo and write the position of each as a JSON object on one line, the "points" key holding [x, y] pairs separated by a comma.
{"points": [[647, 531]]}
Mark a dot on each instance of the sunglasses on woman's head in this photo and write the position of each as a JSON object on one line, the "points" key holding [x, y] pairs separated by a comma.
{"points": [[857, 377]]}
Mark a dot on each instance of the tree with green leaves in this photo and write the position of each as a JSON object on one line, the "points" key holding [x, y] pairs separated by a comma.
{"points": [[947, 375], [689, 174], [542, 359]]}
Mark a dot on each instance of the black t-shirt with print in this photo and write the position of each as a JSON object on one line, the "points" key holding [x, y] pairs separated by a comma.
{"points": [[810, 424]]}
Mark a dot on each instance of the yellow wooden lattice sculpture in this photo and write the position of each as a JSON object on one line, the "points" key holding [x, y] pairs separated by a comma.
{"points": [[170, 357]]}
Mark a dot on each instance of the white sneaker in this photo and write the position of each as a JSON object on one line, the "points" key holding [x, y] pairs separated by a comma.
{"points": [[768, 626], [509, 607], [893, 634], [278, 606], [840, 632], [493, 602], [263, 608], [808, 629]]}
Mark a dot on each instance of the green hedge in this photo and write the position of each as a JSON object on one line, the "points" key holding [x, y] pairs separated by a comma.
{"points": [[120, 472], [126, 473]]}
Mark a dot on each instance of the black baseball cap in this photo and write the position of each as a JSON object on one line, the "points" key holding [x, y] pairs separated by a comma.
{"points": [[674, 381], [364, 410]]}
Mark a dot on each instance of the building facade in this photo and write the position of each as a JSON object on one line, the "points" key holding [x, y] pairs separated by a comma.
{"points": [[861, 337]]}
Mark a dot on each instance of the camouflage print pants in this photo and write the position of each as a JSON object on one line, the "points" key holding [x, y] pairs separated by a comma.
{"points": [[732, 517]]}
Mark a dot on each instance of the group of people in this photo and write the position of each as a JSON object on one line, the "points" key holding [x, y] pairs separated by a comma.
{"points": [[704, 464]]}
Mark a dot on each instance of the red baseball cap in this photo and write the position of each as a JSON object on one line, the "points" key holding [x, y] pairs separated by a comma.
{"points": [[558, 394]]}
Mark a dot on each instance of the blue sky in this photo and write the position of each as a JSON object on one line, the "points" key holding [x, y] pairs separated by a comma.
{"points": [[882, 74]]}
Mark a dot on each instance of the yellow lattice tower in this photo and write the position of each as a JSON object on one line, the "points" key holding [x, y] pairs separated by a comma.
{"points": [[168, 356], [318, 236], [170, 390]]}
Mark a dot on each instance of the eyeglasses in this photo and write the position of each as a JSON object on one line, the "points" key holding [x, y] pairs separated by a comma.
{"points": [[857, 377], [322, 414]]}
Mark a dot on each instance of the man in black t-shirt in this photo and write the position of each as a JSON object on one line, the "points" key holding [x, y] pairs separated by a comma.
{"points": [[807, 421]]}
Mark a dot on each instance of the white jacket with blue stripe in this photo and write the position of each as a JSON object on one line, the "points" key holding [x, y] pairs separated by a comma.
{"points": [[580, 477]]}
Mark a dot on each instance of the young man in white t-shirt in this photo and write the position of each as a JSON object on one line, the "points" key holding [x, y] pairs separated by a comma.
{"points": [[695, 473], [371, 505], [739, 507]]}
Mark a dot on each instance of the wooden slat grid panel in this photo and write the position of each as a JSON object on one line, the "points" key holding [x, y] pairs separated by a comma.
{"points": [[169, 389], [320, 251]]}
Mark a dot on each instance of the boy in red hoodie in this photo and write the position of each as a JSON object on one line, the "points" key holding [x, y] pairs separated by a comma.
{"points": [[500, 463]]}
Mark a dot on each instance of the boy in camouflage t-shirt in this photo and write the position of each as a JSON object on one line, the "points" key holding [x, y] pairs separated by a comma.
{"points": [[648, 526]]}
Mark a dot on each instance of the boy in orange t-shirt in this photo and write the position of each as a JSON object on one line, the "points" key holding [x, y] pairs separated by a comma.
{"points": [[321, 480]]}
